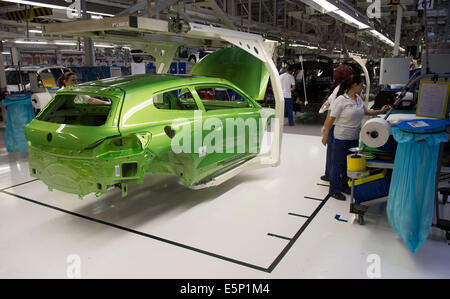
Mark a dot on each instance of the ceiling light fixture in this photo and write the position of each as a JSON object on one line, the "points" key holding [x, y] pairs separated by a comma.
{"points": [[304, 46], [103, 46], [327, 6], [31, 42], [335, 11], [351, 19], [65, 43], [33, 3], [382, 37]]}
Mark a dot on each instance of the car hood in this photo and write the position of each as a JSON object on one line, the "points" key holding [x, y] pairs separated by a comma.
{"points": [[237, 66]]}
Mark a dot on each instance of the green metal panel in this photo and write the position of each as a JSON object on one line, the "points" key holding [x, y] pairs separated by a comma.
{"points": [[237, 66]]}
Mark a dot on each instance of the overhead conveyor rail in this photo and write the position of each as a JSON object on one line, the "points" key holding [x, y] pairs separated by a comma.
{"points": [[161, 39]]}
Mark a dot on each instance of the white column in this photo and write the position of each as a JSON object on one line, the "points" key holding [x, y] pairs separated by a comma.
{"points": [[15, 54], [398, 28], [89, 53], [249, 15]]}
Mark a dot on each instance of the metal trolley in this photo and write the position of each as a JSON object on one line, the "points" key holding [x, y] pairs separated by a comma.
{"points": [[442, 174], [358, 209]]}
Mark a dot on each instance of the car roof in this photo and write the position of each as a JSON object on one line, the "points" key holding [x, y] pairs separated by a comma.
{"points": [[132, 82]]}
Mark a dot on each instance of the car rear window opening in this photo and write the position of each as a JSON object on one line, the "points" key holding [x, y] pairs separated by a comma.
{"points": [[82, 110]]}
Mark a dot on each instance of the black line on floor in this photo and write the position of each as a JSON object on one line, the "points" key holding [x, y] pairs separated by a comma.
{"points": [[314, 198], [140, 233], [323, 185], [293, 214], [278, 236], [268, 270], [19, 184], [297, 235]]}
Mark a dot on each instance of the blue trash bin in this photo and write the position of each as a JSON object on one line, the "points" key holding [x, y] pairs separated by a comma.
{"points": [[19, 113]]}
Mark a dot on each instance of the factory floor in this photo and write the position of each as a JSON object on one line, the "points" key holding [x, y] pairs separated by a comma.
{"points": [[266, 223]]}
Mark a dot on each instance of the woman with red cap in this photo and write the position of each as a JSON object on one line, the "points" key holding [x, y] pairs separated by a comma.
{"points": [[340, 74]]}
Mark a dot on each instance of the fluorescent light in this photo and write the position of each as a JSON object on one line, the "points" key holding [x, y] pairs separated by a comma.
{"points": [[6, 53], [100, 13], [31, 42], [351, 19], [304, 46], [33, 3], [96, 17], [326, 5], [376, 33], [382, 37], [65, 44], [103, 46], [35, 31]]}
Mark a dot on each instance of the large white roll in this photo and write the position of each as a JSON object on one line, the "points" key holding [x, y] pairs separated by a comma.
{"points": [[376, 132]]}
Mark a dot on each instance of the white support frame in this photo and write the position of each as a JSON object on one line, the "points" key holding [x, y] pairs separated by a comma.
{"points": [[252, 43], [362, 63]]}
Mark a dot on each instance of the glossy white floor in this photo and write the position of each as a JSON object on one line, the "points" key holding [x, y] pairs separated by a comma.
{"points": [[268, 223]]}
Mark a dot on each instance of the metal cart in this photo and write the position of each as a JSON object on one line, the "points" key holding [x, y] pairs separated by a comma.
{"points": [[355, 208], [442, 174]]}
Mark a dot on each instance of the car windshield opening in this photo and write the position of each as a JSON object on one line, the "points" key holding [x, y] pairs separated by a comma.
{"points": [[82, 110]]}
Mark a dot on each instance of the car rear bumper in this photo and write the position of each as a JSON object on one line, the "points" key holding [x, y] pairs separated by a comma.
{"points": [[82, 175]]}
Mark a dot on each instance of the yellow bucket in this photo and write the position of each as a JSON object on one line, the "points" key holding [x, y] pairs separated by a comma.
{"points": [[356, 163]]}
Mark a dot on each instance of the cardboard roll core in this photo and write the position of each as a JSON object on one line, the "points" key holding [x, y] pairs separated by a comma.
{"points": [[356, 162]]}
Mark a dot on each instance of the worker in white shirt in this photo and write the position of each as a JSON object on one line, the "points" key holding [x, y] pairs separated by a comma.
{"points": [[347, 112], [340, 74], [288, 85]]}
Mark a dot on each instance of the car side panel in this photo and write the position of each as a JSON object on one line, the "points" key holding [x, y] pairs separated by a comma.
{"points": [[140, 116]]}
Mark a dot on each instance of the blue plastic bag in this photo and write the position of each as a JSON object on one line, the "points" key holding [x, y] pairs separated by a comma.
{"points": [[410, 203], [19, 113]]}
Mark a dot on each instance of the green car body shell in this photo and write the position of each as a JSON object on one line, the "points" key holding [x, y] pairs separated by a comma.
{"points": [[135, 138]]}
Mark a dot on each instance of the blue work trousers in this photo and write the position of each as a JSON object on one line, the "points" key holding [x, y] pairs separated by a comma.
{"points": [[338, 169], [289, 110], [329, 152]]}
